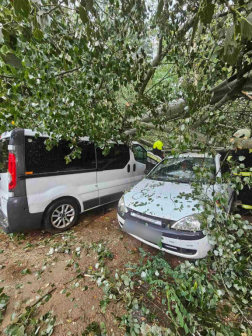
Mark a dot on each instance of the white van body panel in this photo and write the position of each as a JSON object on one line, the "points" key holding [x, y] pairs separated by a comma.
{"points": [[42, 191], [4, 191], [116, 180], [85, 186], [4, 183], [139, 172]]}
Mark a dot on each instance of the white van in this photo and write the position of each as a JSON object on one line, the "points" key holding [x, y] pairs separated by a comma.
{"points": [[39, 190]]}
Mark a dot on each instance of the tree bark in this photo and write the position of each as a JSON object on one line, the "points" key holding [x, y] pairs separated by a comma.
{"points": [[242, 144]]}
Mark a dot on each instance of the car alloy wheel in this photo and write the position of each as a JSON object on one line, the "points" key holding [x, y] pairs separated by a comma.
{"points": [[63, 216]]}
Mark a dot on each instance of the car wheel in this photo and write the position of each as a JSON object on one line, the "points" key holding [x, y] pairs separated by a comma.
{"points": [[61, 215]]}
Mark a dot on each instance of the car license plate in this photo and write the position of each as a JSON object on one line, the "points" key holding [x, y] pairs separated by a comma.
{"points": [[142, 231]]}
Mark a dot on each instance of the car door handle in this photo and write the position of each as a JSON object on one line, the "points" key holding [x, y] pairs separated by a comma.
{"points": [[134, 167], [128, 168]]}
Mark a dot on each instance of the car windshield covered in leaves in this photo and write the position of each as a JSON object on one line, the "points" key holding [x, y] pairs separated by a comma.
{"points": [[182, 169]]}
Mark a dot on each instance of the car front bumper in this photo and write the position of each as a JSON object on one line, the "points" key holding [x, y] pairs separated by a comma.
{"points": [[175, 242]]}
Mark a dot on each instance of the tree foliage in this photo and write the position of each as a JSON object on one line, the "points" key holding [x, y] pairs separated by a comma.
{"points": [[110, 69], [66, 66]]}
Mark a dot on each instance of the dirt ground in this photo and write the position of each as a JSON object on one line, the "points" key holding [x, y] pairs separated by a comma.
{"points": [[38, 263]]}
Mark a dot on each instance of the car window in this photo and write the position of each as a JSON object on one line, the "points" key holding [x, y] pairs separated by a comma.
{"points": [[117, 158], [4, 153], [140, 154], [181, 169], [39, 160]]}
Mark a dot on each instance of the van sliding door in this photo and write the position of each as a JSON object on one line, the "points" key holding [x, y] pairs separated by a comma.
{"points": [[49, 177], [114, 173]]}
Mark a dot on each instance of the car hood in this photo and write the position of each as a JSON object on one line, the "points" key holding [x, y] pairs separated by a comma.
{"points": [[160, 199]]}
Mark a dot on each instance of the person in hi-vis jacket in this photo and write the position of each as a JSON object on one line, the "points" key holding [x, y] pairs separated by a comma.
{"points": [[155, 156]]}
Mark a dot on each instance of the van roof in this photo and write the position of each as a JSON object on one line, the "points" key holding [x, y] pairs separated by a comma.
{"points": [[29, 132]]}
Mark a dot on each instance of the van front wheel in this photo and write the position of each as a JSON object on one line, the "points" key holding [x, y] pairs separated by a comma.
{"points": [[61, 215]]}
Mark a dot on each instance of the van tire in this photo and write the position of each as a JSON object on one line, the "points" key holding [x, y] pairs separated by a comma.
{"points": [[69, 207]]}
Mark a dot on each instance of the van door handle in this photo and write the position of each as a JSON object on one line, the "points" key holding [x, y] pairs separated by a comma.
{"points": [[128, 168], [134, 167]]}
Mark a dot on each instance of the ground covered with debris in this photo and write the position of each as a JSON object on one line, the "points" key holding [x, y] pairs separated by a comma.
{"points": [[74, 283]]}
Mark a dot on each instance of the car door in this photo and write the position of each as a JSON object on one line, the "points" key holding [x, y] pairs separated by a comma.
{"points": [[139, 162], [114, 172]]}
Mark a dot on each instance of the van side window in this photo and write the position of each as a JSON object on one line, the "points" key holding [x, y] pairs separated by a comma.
{"points": [[4, 153], [140, 154], [39, 160], [117, 158]]}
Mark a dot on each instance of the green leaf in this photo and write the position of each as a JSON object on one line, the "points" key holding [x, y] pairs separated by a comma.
{"points": [[231, 48], [125, 279], [26, 271], [207, 13], [160, 8], [83, 15], [13, 60], [15, 330], [38, 34], [22, 7], [4, 49], [246, 27], [90, 5], [195, 26], [186, 328]]}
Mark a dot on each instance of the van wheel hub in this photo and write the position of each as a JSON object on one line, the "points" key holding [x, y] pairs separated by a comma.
{"points": [[63, 216]]}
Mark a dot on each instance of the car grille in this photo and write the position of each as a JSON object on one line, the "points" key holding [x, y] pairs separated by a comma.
{"points": [[179, 249], [144, 218]]}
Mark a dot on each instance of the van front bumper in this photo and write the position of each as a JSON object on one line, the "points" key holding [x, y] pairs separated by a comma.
{"points": [[179, 243], [19, 219]]}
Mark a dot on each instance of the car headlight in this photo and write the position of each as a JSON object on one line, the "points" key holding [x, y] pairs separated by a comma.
{"points": [[121, 207], [189, 223]]}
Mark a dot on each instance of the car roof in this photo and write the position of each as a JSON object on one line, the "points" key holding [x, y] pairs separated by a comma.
{"points": [[191, 154]]}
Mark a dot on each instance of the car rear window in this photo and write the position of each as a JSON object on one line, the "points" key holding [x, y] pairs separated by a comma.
{"points": [[4, 155], [39, 160]]}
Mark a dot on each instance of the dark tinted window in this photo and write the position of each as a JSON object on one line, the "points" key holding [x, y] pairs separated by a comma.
{"points": [[39, 160], [242, 156], [117, 158], [4, 155], [140, 154]]}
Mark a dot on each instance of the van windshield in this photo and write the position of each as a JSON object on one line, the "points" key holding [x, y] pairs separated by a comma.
{"points": [[4, 155], [181, 169]]}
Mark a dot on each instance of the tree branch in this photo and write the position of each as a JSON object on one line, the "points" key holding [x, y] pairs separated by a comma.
{"points": [[199, 136], [67, 72], [161, 54], [9, 77], [154, 64], [236, 88]]}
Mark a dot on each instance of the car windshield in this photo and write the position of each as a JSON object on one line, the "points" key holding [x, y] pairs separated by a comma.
{"points": [[181, 169]]}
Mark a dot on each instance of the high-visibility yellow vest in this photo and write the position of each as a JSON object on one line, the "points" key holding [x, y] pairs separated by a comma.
{"points": [[243, 174], [154, 157]]}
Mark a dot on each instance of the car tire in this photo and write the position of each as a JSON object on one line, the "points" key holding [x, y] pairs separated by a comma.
{"points": [[61, 215]]}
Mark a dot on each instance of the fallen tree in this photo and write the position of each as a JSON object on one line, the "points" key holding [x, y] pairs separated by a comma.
{"points": [[79, 54]]}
